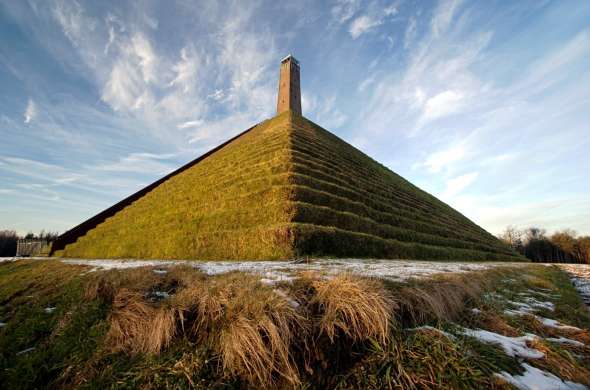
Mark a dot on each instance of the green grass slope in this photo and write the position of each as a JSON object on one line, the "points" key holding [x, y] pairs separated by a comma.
{"points": [[233, 204], [288, 188], [63, 327], [347, 204]]}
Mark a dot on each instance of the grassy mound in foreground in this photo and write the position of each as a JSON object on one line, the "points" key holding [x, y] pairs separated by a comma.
{"points": [[288, 188], [65, 327]]}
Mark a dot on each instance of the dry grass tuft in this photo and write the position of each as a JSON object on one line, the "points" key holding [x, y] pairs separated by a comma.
{"points": [[250, 325], [128, 319], [163, 327], [105, 284], [139, 327], [185, 275], [440, 298], [561, 363], [359, 308], [538, 282], [495, 323], [265, 335]]}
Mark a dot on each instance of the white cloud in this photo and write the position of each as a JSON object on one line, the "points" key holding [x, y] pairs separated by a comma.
{"points": [[245, 58], [456, 185], [343, 10], [548, 69], [410, 33], [366, 83], [218, 95], [558, 213], [328, 114], [442, 104], [189, 124], [391, 10], [363, 24], [110, 41], [443, 16], [124, 87], [419, 98], [73, 20], [128, 85], [30, 111], [185, 70], [308, 103], [147, 60], [442, 159], [141, 163]]}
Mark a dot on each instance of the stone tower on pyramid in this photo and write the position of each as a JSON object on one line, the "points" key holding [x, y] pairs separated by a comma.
{"points": [[282, 189]]}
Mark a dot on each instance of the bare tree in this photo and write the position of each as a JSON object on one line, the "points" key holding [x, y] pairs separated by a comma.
{"points": [[512, 236]]}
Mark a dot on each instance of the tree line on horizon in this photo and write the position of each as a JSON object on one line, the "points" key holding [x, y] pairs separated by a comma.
{"points": [[563, 246], [9, 238]]}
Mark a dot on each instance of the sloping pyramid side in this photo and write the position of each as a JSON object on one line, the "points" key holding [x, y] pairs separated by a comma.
{"points": [[288, 188], [233, 204], [347, 204]]}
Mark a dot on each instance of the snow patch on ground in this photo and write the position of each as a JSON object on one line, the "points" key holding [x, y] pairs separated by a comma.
{"points": [[512, 346], [397, 270], [535, 379], [556, 324], [531, 305], [564, 340], [546, 295], [580, 276], [493, 296], [545, 321], [540, 304], [520, 307]]}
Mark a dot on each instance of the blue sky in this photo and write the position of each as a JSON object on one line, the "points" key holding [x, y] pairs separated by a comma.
{"points": [[485, 104]]}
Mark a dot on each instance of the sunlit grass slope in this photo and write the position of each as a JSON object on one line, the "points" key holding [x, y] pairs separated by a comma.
{"points": [[288, 188], [233, 204]]}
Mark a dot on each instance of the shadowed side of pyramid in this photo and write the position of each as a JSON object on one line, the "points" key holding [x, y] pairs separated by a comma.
{"points": [[347, 204]]}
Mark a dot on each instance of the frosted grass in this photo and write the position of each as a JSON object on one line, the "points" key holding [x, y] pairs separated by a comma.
{"points": [[274, 271]]}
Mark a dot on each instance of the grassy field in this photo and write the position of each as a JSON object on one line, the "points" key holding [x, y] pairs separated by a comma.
{"points": [[63, 326], [286, 189]]}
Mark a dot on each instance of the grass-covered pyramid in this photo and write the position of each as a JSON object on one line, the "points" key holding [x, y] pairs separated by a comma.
{"points": [[285, 188]]}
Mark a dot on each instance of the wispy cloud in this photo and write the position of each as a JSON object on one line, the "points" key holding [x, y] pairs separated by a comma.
{"points": [[443, 16], [373, 17], [363, 24], [141, 163], [442, 104], [410, 33], [457, 184], [343, 10], [443, 158], [30, 111]]}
